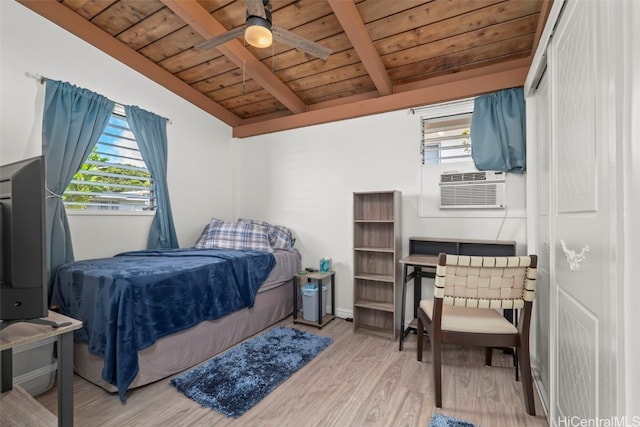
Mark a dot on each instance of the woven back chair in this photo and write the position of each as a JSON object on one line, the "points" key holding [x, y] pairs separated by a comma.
{"points": [[468, 292]]}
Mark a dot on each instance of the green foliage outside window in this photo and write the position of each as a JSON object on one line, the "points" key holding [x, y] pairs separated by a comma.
{"points": [[85, 182]]}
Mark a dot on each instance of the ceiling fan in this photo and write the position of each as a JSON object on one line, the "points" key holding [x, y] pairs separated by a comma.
{"points": [[260, 32]]}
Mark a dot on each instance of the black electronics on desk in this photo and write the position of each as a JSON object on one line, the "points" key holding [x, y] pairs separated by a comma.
{"points": [[433, 246]]}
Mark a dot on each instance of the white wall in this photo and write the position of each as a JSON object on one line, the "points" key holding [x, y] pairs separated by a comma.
{"points": [[305, 179], [199, 171]]}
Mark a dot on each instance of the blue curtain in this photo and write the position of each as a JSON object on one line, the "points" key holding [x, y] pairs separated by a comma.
{"points": [[498, 131], [150, 131], [73, 120]]}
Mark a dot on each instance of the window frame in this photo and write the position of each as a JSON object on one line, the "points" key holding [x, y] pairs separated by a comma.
{"points": [[108, 133], [445, 113]]}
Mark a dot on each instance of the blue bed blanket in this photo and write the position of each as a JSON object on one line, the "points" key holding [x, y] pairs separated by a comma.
{"points": [[129, 301]]}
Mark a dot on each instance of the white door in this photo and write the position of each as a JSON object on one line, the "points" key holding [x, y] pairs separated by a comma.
{"points": [[542, 306], [583, 280]]}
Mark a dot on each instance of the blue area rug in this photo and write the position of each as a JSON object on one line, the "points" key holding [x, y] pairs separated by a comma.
{"points": [[439, 420], [236, 380]]}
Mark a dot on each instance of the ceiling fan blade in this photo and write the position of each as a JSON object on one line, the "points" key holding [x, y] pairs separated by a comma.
{"points": [[222, 38], [256, 8], [305, 45]]}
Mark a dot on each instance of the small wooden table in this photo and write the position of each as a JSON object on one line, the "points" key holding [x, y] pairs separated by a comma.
{"points": [[298, 279], [25, 333]]}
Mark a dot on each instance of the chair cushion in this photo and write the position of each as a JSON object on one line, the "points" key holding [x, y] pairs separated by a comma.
{"points": [[473, 320]]}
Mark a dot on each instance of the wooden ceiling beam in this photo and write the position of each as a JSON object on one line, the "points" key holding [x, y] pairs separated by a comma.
{"points": [[460, 85], [354, 28], [62, 16], [545, 9], [198, 18], [379, 98]]}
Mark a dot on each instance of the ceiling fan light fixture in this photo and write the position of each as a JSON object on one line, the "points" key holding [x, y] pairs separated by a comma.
{"points": [[258, 32]]}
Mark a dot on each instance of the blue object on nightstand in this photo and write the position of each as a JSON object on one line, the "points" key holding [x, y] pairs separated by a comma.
{"points": [[325, 265]]}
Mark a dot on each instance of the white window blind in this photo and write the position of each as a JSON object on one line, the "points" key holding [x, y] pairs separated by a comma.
{"points": [[114, 177], [446, 139]]}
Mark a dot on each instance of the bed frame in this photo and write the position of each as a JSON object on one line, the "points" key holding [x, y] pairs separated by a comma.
{"points": [[167, 356]]}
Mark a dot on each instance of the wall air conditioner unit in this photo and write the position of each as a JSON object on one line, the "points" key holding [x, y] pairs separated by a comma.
{"points": [[472, 190]]}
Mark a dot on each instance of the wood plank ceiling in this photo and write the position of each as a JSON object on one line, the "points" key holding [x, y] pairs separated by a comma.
{"points": [[386, 54]]}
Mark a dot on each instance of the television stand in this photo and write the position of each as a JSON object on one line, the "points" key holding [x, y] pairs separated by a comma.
{"points": [[54, 325], [26, 333]]}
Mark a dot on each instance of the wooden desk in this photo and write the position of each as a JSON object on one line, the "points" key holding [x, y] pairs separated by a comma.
{"points": [[423, 259], [26, 333]]}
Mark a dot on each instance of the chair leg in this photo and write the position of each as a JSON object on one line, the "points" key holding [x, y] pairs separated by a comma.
{"points": [[527, 379], [488, 353], [437, 369], [420, 331], [515, 350]]}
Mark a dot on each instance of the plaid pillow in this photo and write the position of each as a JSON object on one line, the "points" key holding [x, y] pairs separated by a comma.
{"points": [[234, 235], [280, 237], [204, 236]]}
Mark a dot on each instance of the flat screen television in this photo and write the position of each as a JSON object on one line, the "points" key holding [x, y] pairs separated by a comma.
{"points": [[23, 264]]}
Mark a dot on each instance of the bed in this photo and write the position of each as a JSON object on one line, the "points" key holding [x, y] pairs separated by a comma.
{"points": [[150, 314]]}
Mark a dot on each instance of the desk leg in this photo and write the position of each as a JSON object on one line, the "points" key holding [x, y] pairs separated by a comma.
{"points": [[403, 303], [6, 361], [417, 289], [65, 380]]}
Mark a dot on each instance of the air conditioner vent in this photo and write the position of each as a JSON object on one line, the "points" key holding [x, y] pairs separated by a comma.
{"points": [[472, 190]]}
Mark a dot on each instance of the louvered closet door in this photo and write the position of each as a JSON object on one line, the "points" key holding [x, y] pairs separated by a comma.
{"points": [[582, 232]]}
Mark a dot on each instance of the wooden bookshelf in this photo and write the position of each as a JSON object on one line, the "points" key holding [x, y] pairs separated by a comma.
{"points": [[376, 251]]}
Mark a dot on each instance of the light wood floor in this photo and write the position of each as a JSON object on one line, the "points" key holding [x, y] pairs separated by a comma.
{"points": [[358, 380]]}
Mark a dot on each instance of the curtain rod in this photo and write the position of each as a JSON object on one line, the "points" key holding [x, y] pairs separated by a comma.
{"points": [[463, 101], [43, 79]]}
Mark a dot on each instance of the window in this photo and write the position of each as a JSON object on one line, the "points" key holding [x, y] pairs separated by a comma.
{"points": [[114, 177], [446, 139], [445, 147]]}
